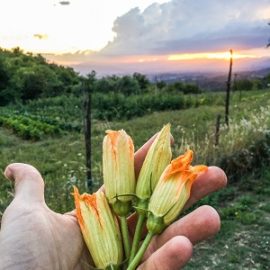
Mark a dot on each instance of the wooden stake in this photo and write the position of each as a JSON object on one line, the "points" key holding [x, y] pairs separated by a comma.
{"points": [[217, 130], [88, 85], [227, 104]]}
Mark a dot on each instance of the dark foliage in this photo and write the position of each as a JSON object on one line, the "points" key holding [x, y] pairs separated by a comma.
{"points": [[247, 160], [26, 77]]}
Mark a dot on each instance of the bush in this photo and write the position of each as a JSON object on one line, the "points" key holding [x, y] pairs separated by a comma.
{"points": [[247, 160], [118, 106]]}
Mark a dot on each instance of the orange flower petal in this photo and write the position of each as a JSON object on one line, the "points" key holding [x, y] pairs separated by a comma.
{"points": [[91, 201], [198, 169], [77, 198], [113, 135], [179, 164], [191, 175]]}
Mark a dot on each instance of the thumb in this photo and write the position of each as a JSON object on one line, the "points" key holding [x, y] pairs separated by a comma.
{"points": [[29, 184]]}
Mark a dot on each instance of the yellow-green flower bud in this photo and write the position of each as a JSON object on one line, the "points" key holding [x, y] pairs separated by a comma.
{"points": [[172, 191], [158, 157], [118, 167], [99, 228]]}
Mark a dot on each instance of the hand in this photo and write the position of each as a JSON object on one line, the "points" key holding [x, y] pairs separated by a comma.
{"points": [[34, 237]]}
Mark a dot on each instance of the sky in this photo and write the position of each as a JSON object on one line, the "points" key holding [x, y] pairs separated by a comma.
{"points": [[139, 35]]}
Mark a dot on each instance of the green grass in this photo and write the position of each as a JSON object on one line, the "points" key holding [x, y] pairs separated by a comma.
{"points": [[243, 242], [61, 159]]}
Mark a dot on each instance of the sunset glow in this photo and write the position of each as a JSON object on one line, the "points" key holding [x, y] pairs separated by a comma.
{"points": [[209, 55], [145, 35]]}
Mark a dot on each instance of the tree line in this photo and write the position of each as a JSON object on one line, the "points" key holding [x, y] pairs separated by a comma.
{"points": [[25, 76]]}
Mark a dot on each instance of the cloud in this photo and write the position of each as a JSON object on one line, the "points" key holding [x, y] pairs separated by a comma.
{"points": [[190, 26], [40, 36], [64, 3]]}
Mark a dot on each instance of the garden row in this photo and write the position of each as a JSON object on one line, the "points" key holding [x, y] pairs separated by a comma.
{"points": [[54, 122], [28, 128], [118, 107], [114, 106]]}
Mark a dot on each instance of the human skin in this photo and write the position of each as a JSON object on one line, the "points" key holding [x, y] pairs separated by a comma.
{"points": [[33, 236]]}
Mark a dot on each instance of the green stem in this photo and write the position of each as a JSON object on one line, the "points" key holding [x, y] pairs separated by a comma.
{"points": [[137, 236], [141, 251], [125, 234], [112, 267]]}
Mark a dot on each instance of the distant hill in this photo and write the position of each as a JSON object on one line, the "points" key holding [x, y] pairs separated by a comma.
{"points": [[25, 76], [208, 80]]}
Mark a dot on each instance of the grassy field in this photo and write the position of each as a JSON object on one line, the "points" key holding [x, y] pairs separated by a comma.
{"points": [[243, 242]]}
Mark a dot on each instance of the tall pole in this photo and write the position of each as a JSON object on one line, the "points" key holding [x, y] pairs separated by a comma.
{"points": [[88, 89], [227, 104], [217, 130]]}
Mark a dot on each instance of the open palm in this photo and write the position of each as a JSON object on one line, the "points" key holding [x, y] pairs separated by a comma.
{"points": [[34, 237]]}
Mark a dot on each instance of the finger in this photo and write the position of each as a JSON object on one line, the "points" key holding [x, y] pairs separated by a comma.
{"points": [[29, 184], [171, 256], [212, 180], [202, 223]]}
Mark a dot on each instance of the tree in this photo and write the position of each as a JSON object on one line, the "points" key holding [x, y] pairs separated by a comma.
{"points": [[190, 88], [128, 85], [175, 87], [244, 85], [142, 81], [36, 81], [105, 85], [24, 76], [4, 74], [28, 83], [160, 84], [17, 51]]}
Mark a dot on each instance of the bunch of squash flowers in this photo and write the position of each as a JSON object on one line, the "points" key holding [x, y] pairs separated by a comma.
{"points": [[158, 196]]}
